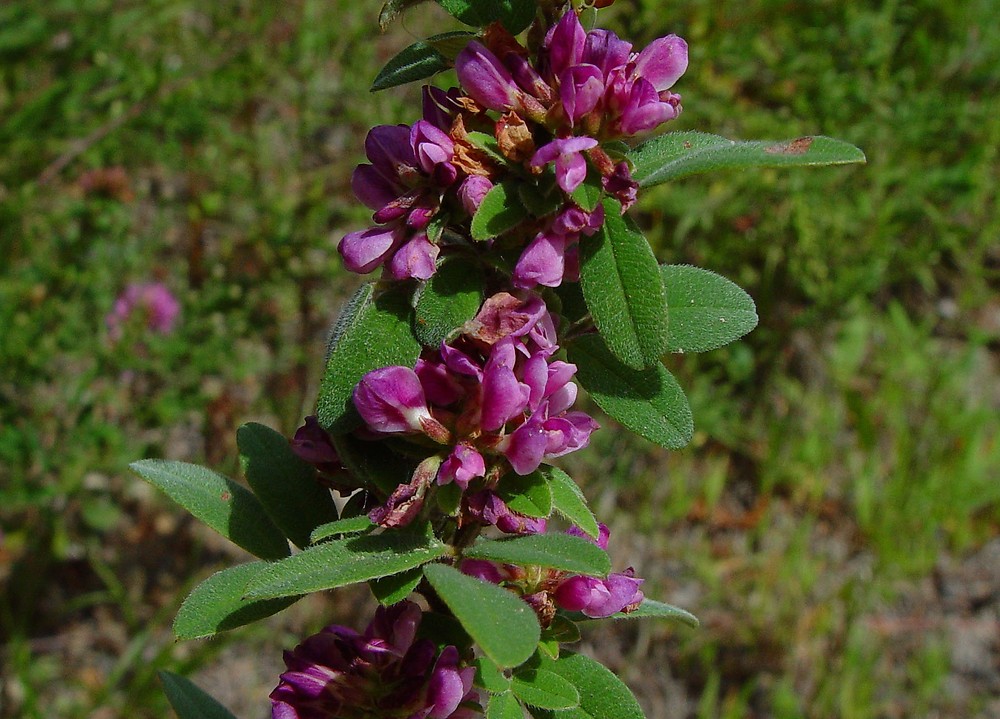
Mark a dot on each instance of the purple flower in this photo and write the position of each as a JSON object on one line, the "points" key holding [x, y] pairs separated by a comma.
{"points": [[663, 61], [525, 447], [644, 110], [504, 396], [606, 50], [600, 597], [434, 152], [312, 444], [486, 80], [564, 43], [154, 302], [542, 262], [385, 672], [462, 466], [416, 259], [365, 250], [571, 166], [472, 191], [581, 89], [391, 399]]}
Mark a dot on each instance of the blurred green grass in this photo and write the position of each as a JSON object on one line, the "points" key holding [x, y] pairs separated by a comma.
{"points": [[846, 451]]}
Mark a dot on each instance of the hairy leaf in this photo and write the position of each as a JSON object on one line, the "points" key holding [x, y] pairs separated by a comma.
{"points": [[528, 494], [503, 625], [416, 62], [649, 402], [706, 310], [217, 604], [285, 484], [679, 154], [340, 562], [568, 500], [371, 332], [190, 701], [556, 551], [544, 689], [602, 694], [449, 299], [225, 506], [499, 211], [624, 291]]}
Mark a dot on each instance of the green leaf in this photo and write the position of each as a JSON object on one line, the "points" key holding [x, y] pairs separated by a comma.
{"points": [[624, 291], [504, 706], [499, 211], [515, 15], [383, 469], [349, 525], [649, 402], [503, 625], [538, 201], [416, 62], [602, 694], [679, 154], [568, 500], [189, 701], [544, 689], [489, 676], [706, 310], [652, 609], [371, 332], [449, 299], [225, 506], [397, 587], [465, 11], [217, 604], [588, 194], [528, 494], [340, 562], [556, 551], [451, 43], [284, 483]]}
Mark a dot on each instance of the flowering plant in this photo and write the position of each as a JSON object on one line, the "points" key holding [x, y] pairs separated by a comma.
{"points": [[511, 276]]}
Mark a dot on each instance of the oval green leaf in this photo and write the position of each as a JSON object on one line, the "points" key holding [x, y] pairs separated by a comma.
{"points": [[503, 626], [489, 676], [396, 587], [624, 291], [652, 609], [348, 525], [340, 562], [449, 299], [544, 689], [707, 311], [504, 706], [649, 402], [227, 507], [680, 154], [528, 494], [569, 501], [416, 62], [217, 604], [602, 694], [499, 211], [285, 484], [189, 700], [371, 332], [555, 551]]}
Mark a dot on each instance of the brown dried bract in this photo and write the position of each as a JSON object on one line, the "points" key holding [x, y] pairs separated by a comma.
{"points": [[514, 137], [469, 158]]}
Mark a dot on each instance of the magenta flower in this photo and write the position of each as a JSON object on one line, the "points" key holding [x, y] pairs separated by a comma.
{"points": [[385, 672], [153, 302], [391, 399], [416, 259], [486, 80], [598, 598], [472, 191], [462, 466], [567, 153], [365, 250]]}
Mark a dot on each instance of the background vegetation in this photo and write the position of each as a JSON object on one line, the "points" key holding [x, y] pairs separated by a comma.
{"points": [[834, 524]]}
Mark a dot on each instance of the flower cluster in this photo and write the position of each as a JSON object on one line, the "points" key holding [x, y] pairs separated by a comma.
{"points": [[542, 125], [548, 589], [153, 303], [384, 672], [494, 398]]}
